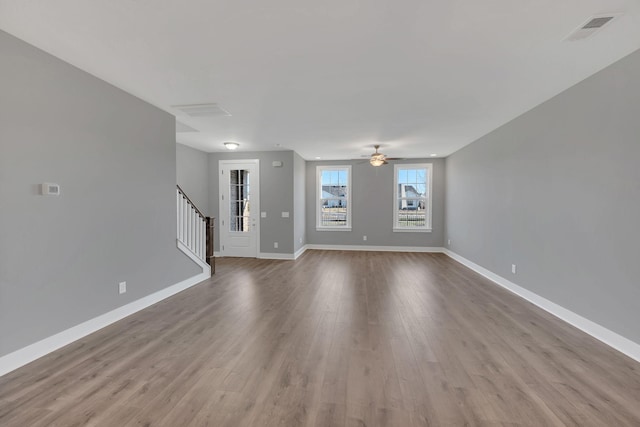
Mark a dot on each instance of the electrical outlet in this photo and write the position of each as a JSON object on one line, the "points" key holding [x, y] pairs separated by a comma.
{"points": [[275, 245], [300, 240], [364, 238], [263, 214], [513, 268], [285, 214], [122, 287], [449, 242]]}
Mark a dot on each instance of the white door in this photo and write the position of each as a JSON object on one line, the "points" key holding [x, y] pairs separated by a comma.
{"points": [[239, 208]]}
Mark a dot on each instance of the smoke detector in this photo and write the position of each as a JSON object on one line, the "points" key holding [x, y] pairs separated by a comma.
{"points": [[592, 26]]}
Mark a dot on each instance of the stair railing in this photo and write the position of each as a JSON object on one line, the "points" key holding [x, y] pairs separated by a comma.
{"points": [[193, 228]]}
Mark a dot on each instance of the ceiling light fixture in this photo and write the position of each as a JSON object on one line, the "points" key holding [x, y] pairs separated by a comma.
{"points": [[377, 160], [231, 145]]}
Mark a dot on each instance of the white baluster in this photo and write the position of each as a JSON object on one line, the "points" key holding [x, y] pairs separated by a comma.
{"points": [[181, 219], [193, 230], [198, 236], [197, 245], [188, 222], [190, 227], [184, 221], [203, 245]]}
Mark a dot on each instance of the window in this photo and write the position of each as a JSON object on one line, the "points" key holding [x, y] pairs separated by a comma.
{"points": [[333, 184], [412, 197], [239, 211]]}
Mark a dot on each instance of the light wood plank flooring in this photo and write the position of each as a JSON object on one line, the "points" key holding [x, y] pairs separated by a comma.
{"points": [[333, 339]]}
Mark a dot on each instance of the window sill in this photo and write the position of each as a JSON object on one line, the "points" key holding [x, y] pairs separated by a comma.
{"points": [[411, 230], [333, 228]]}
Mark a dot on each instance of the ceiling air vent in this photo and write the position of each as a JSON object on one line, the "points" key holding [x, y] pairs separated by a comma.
{"points": [[597, 22], [202, 110], [592, 26], [181, 127]]}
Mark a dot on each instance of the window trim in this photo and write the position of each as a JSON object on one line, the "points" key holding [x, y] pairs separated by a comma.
{"points": [[429, 202], [319, 170]]}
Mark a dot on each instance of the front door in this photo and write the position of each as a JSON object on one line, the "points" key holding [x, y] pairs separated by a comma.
{"points": [[239, 208]]}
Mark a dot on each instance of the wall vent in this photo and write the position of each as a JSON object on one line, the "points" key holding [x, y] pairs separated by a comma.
{"points": [[592, 26], [202, 110], [181, 127]]}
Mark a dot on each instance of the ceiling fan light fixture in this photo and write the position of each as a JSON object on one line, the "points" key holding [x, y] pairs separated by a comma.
{"points": [[377, 160], [231, 145]]}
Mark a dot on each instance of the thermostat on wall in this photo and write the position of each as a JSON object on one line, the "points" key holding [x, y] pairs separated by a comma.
{"points": [[49, 189]]}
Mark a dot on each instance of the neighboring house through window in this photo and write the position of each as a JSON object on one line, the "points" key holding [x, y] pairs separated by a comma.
{"points": [[333, 211], [412, 197]]}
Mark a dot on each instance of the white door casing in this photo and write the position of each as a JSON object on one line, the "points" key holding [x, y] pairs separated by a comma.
{"points": [[239, 192]]}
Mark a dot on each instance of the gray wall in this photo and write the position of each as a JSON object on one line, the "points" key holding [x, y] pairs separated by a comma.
{"points": [[276, 196], [372, 214], [299, 202], [61, 258], [192, 170], [557, 192]]}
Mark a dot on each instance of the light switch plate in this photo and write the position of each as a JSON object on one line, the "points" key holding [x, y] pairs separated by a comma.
{"points": [[285, 214], [263, 214]]}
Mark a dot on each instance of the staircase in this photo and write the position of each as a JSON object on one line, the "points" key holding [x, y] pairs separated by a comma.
{"points": [[194, 232]]}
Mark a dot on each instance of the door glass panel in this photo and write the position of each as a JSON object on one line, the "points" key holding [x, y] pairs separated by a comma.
{"points": [[239, 197]]}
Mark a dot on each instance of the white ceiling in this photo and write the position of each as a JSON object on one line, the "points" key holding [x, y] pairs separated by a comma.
{"points": [[332, 78]]}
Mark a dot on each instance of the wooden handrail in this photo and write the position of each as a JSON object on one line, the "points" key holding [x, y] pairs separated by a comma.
{"points": [[191, 203]]}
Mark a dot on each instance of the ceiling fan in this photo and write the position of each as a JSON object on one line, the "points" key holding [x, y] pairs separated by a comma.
{"points": [[379, 159]]}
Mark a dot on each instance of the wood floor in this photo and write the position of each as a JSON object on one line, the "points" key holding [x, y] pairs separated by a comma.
{"points": [[333, 339]]}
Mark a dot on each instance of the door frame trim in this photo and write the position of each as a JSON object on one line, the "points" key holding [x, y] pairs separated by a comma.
{"points": [[255, 203]]}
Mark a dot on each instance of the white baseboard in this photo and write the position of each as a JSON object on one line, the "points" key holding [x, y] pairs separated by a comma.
{"points": [[267, 255], [376, 248], [300, 251], [303, 249], [35, 351], [612, 339]]}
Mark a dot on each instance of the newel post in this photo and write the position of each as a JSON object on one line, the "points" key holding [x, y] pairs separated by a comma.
{"points": [[211, 260]]}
